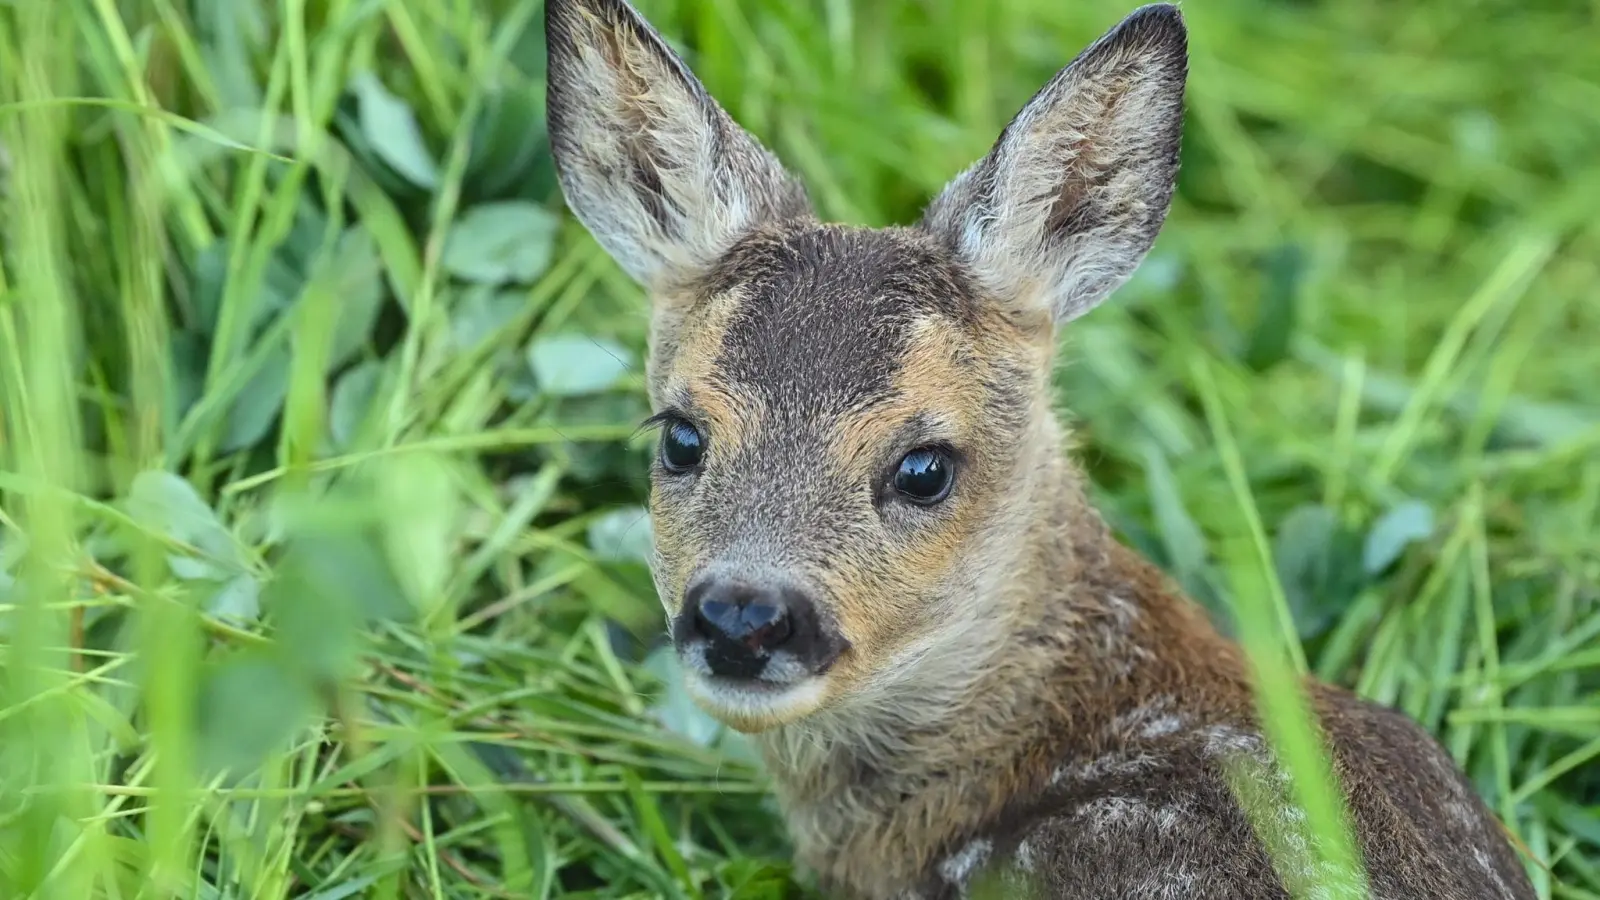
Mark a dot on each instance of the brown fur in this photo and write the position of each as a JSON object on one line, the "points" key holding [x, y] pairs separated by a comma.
{"points": [[1014, 692]]}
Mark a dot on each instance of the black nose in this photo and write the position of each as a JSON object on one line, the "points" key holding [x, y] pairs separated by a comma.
{"points": [[757, 619], [743, 623]]}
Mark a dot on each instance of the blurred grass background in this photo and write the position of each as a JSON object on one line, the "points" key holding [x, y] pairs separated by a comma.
{"points": [[320, 530]]}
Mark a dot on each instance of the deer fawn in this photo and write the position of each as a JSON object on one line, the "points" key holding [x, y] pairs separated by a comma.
{"points": [[873, 553]]}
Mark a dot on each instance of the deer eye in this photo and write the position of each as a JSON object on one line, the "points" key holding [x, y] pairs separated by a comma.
{"points": [[924, 475], [682, 447]]}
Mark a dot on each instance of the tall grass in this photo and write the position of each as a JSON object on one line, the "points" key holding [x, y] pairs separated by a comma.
{"points": [[320, 540]]}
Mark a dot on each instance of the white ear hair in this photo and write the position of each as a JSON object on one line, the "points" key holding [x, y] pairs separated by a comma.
{"points": [[647, 160], [1068, 202]]}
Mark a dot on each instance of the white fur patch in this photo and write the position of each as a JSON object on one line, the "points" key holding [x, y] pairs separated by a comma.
{"points": [[1024, 856], [1226, 740], [1154, 719], [1161, 726], [1114, 813], [728, 702], [959, 866], [1123, 612], [1114, 765]]}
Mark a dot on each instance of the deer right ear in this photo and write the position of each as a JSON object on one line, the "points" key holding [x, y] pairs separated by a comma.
{"points": [[1069, 200], [648, 162]]}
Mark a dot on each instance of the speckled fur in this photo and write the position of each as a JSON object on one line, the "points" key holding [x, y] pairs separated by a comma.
{"points": [[1021, 695]]}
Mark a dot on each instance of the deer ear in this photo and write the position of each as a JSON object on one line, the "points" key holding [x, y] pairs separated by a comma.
{"points": [[648, 162], [1071, 197]]}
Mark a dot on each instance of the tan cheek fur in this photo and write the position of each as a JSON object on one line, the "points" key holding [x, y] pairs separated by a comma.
{"points": [[886, 599], [688, 338]]}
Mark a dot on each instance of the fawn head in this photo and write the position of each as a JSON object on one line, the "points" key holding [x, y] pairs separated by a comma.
{"points": [[850, 418]]}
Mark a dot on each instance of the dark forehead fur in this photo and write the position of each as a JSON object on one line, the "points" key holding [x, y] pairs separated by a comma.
{"points": [[826, 310]]}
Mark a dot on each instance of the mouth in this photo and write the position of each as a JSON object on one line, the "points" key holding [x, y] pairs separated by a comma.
{"points": [[752, 705]]}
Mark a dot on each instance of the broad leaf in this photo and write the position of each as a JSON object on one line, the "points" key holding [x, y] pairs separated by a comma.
{"points": [[279, 283], [169, 504], [481, 312], [1398, 528], [507, 137], [494, 243], [351, 401], [330, 585], [249, 707], [259, 402], [566, 365], [189, 568], [674, 708], [1317, 563], [392, 132], [622, 535], [358, 286], [238, 599], [419, 492]]}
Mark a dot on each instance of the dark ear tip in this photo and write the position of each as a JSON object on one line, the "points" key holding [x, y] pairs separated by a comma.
{"points": [[563, 15], [558, 16], [1158, 25]]}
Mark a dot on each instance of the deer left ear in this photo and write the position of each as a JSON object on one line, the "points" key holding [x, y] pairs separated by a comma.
{"points": [[647, 160], [1070, 199]]}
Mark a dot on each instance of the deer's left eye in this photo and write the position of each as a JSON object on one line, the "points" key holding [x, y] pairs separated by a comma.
{"points": [[682, 447], [925, 475]]}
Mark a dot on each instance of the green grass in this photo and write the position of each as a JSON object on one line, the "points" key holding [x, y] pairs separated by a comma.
{"points": [[382, 628]]}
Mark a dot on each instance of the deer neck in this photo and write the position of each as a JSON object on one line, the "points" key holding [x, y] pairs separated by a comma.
{"points": [[1070, 638]]}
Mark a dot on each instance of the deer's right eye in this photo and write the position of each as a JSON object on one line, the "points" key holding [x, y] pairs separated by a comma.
{"points": [[682, 447], [924, 476]]}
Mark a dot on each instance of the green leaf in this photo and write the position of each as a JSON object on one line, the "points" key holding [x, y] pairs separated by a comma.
{"points": [[673, 708], [258, 403], [12, 548], [351, 568], [622, 535], [1300, 553], [279, 283], [185, 377], [423, 504], [1315, 558], [351, 888], [1476, 135], [238, 599], [351, 401], [358, 284], [528, 53], [231, 34], [249, 707], [9, 595], [169, 504], [566, 365], [508, 137], [1398, 528], [1269, 340], [308, 237], [1182, 538], [499, 242], [330, 585], [392, 132], [1157, 276], [189, 568], [481, 312]]}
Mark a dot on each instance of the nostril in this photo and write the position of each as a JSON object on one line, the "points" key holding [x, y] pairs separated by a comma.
{"points": [[715, 618], [742, 617], [764, 626]]}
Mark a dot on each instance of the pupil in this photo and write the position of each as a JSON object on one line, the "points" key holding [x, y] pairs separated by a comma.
{"points": [[681, 446], [922, 475]]}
